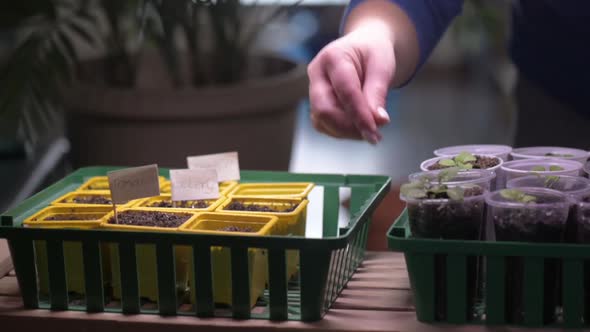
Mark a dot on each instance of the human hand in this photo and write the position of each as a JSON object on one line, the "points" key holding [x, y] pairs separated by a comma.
{"points": [[349, 81]]}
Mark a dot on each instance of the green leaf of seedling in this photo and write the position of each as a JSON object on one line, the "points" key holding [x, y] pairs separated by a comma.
{"points": [[562, 155], [416, 193], [511, 194], [407, 187], [456, 193], [465, 157], [448, 174], [528, 199], [551, 180], [464, 166], [517, 196], [447, 162], [555, 168], [538, 169]]}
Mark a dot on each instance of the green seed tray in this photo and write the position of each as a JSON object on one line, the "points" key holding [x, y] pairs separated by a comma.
{"points": [[326, 263], [430, 260]]}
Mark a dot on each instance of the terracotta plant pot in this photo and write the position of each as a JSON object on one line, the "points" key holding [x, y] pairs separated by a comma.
{"points": [[157, 123]]}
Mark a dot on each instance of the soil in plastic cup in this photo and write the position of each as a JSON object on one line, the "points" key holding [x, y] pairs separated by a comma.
{"points": [[542, 222], [502, 151], [537, 152], [541, 167], [453, 220]]}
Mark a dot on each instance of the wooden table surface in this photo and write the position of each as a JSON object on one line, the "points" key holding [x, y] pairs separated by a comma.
{"points": [[377, 298]]}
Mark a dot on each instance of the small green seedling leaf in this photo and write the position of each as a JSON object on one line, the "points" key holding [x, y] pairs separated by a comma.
{"points": [[551, 180], [517, 196], [407, 187], [447, 162], [416, 193], [425, 187], [448, 174], [456, 193], [538, 169], [555, 168], [562, 155], [464, 166], [465, 157], [528, 199]]}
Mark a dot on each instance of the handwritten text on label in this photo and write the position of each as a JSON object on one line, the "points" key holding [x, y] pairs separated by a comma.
{"points": [[194, 184], [226, 164], [134, 183]]}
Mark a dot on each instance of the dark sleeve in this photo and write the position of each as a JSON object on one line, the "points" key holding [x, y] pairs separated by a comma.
{"points": [[430, 17]]}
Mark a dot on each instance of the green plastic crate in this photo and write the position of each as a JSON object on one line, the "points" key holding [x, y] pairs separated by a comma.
{"points": [[326, 264], [450, 257]]}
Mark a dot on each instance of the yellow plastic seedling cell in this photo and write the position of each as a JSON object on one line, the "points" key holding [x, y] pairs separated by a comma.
{"points": [[101, 183], [291, 214], [146, 253], [66, 217], [165, 201], [89, 199], [285, 189], [224, 187], [233, 224]]}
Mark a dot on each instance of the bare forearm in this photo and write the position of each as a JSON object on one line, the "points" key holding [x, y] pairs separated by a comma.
{"points": [[386, 17]]}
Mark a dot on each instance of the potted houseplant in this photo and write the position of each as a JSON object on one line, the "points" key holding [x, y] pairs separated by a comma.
{"points": [[445, 208], [147, 92], [529, 214]]}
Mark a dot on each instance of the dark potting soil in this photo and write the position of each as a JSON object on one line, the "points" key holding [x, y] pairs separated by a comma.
{"points": [[530, 226], [92, 200], [64, 217], [561, 155], [237, 229], [460, 220], [481, 162], [582, 220], [239, 206], [200, 204], [468, 192], [450, 220], [150, 218]]}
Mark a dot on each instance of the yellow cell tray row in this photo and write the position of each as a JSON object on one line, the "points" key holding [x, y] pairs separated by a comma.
{"points": [[288, 220], [228, 188], [101, 183]]}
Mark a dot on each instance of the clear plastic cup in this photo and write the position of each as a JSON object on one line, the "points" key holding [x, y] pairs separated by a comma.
{"points": [[502, 151], [519, 168], [446, 218], [556, 152], [481, 177], [451, 219], [496, 169], [576, 187], [429, 162], [583, 221], [542, 221]]}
